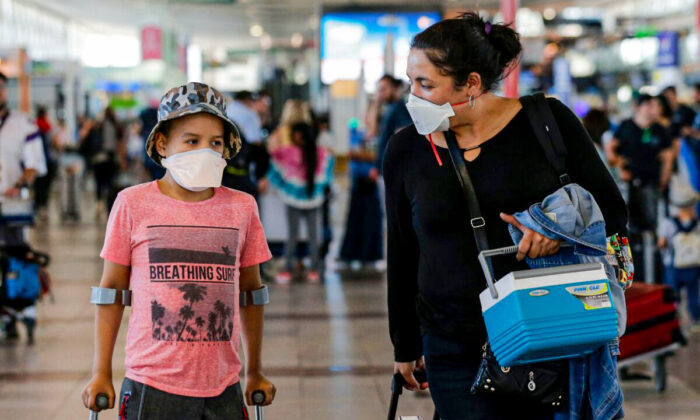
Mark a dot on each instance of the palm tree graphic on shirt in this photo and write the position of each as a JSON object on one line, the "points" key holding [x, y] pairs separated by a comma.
{"points": [[206, 310], [220, 318]]}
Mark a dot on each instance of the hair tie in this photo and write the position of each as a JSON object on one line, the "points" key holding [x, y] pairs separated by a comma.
{"points": [[487, 28]]}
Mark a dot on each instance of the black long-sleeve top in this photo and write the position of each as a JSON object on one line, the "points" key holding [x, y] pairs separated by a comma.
{"points": [[434, 278]]}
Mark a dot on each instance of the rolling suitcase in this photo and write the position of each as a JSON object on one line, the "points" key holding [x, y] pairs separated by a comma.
{"points": [[652, 320], [397, 384]]}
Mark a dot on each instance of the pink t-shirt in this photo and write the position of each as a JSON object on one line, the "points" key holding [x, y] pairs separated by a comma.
{"points": [[185, 258]]}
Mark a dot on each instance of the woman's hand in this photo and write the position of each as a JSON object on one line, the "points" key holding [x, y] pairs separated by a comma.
{"points": [[533, 244], [99, 384], [406, 369], [256, 381]]}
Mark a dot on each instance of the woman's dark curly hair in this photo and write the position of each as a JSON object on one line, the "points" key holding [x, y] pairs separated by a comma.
{"points": [[458, 47]]}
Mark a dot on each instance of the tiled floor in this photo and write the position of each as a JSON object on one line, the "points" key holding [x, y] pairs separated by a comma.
{"points": [[326, 348]]}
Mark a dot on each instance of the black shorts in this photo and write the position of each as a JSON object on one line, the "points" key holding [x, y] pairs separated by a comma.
{"points": [[142, 402]]}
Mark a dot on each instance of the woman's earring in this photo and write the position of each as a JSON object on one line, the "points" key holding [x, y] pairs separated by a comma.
{"points": [[471, 102]]}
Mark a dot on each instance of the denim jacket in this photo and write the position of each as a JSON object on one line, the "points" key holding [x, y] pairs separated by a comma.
{"points": [[571, 214]]}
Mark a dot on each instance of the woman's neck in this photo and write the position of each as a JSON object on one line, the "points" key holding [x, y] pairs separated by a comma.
{"points": [[488, 117], [172, 189]]}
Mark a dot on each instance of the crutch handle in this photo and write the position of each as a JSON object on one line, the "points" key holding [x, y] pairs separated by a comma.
{"points": [[259, 398], [102, 402]]}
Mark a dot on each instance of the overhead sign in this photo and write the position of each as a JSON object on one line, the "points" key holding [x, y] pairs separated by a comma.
{"points": [[151, 43], [668, 49]]}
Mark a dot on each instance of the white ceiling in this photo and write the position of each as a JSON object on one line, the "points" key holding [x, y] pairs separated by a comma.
{"points": [[224, 24]]}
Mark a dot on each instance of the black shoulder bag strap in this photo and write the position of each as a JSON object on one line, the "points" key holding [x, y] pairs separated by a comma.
{"points": [[513, 383], [477, 222], [547, 132]]}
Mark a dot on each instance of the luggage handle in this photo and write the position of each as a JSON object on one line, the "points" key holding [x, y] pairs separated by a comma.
{"points": [[397, 384], [483, 255]]}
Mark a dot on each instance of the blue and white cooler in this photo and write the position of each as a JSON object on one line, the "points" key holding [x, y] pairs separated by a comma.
{"points": [[548, 313]]}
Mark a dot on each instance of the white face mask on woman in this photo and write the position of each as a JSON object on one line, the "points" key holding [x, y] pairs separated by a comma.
{"points": [[429, 117], [196, 170]]}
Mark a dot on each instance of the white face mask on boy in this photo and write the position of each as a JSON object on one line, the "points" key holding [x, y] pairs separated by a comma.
{"points": [[196, 170]]}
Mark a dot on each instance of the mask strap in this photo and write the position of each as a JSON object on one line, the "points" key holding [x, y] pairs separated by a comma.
{"points": [[430, 137]]}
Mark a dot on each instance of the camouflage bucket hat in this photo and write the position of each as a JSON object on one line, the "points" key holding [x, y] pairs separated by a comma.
{"points": [[188, 99]]}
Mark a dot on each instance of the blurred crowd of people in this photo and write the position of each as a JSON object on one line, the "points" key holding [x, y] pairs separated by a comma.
{"points": [[288, 165], [654, 157]]}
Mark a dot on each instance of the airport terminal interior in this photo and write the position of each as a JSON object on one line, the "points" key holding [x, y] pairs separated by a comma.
{"points": [[369, 257]]}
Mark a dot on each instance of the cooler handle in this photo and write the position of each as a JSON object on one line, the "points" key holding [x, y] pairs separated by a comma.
{"points": [[492, 253], [487, 270]]}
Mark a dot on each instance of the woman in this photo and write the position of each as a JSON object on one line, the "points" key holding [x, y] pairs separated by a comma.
{"points": [[434, 278]]}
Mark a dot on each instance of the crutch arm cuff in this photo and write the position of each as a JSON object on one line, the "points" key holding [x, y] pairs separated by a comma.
{"points": [[107, 296], [258, 297]]}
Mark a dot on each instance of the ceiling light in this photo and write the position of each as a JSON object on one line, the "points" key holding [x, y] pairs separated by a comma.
{"points": [[624, 94], [424, 22], [549, 13], [256, 30], [297, 40]]}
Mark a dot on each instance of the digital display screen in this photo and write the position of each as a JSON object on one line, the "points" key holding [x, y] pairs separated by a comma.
{"points": [[356, 41]]}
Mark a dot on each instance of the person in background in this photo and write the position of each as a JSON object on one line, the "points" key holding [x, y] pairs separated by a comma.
{"points": [[149, 118], [22, 160], [390, 92], [666, 117], [301, 172], [683, 115], [262, 104], [242, 111], [327, 141], [294, 111], [599, 127], [643, 153], [689, 158], [597, 123], [108, 158], [696, 97], [680, 237], [42, 185], [363, 229], [72, 167], [247, 171]]}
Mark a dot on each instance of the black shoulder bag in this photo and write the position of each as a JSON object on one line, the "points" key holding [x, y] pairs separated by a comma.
{"points": [[546, 382]]}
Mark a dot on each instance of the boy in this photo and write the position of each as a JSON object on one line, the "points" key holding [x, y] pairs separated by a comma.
{"points": [[681, 236], [185, 246]]}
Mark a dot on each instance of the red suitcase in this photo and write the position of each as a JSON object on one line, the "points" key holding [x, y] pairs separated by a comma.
{"points": [[652, 320]]}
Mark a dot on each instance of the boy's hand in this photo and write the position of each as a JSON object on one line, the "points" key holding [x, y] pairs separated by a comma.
{"points": [[256, 381], [100, 383]]}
